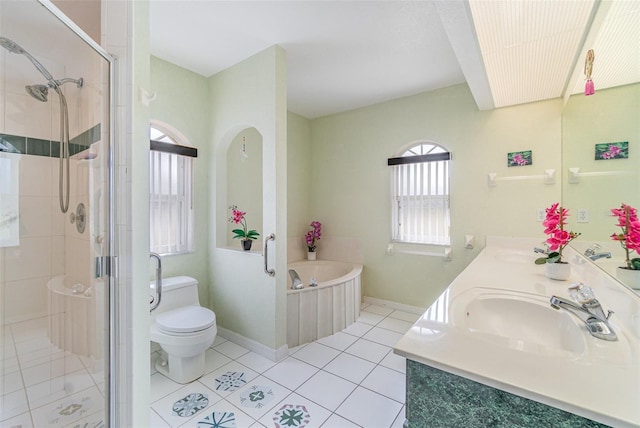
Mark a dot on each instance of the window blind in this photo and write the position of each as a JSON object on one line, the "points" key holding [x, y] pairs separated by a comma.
{"points": [[420, 201], [171, 202]]}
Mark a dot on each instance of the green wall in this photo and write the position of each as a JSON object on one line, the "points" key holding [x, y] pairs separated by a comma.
{"points": [[349, 188], [299, 170], [244, 184], [336, 171], [183, 102], [250, 94]]}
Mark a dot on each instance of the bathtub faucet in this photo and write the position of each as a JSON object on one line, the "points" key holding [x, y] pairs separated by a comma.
{"points": [[296, 282]]}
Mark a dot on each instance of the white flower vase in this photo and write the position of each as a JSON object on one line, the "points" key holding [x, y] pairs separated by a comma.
{"points": [[558, 271], [311, 255], [629, 277]]}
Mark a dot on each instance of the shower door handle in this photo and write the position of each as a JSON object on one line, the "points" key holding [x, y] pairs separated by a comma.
{"points": [[270, 272]]}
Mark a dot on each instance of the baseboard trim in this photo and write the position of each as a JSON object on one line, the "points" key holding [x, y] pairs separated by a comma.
{"points": [[394, 305], [257, 347]]}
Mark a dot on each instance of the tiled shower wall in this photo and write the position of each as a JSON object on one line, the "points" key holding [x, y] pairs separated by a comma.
{"points": [[49, 244]]}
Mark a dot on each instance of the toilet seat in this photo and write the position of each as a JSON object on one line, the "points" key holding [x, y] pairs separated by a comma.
{"points": [[187, 319]]}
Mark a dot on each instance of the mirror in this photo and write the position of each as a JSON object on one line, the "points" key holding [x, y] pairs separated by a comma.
{"points": [[595, 178], [592, 186], [244, 183]]}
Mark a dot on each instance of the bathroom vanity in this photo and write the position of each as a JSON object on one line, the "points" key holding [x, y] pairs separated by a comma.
{"points": [[491, 351]]}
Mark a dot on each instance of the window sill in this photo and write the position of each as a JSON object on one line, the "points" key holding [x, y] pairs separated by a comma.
{"points": [[185, 253], [254, 249], [430, 250]]}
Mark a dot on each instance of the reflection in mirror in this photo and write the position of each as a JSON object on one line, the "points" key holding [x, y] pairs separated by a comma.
{"points": [[244, 182], [593, 185]]}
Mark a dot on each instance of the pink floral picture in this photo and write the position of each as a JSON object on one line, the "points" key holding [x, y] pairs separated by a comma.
{"points": [[618, 150], [520, 158]]}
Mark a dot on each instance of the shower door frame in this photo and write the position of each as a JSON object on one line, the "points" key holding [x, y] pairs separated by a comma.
{"points": [[111, 292]]}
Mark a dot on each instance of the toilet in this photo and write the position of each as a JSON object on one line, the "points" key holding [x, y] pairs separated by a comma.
{"points": [[182, 328]]}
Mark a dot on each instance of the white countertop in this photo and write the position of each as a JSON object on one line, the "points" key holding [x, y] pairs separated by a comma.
{"points": [[570, 370]]}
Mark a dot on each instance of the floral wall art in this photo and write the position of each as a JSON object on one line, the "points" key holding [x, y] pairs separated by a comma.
{"points": [[618, 150], [522, 158]]}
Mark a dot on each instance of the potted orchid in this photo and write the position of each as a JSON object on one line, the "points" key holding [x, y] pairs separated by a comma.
{"points": [[629, 239], [559, 238], [247, 236], [312, 237]]}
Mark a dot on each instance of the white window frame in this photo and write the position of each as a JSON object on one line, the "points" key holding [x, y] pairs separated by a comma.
{"points": [[171, 212], [420, 195]]}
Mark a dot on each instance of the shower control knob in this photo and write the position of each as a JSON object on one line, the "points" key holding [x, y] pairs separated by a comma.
{"points": [[78, 217]]}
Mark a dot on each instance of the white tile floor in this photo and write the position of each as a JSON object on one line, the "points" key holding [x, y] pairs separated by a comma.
{"points": [[44, 386], [350, 379]]}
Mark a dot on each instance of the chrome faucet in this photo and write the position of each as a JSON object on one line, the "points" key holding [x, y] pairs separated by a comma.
{"points": [[597, 256], [296, 282], [592, 250], [541, 250], [588, 309]]}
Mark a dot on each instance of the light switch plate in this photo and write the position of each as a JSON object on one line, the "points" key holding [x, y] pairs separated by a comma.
{"points": [[583, 215]]}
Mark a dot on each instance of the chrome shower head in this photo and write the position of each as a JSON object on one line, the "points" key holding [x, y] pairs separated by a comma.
{"points": [[39, 92], [11, 46]]}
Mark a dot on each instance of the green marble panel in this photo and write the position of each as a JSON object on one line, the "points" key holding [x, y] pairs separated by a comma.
{"points": [[13, 143], [436, 398], [38, 147]]}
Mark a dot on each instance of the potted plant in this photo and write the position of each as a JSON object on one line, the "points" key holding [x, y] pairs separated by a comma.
{"points": [[554, 223], [629, 239], [247, 236], [311, 238]]}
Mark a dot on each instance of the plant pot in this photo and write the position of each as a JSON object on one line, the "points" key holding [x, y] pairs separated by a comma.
{"points": [[246, 244], [629, 277], [311, 255], [558, 271]]}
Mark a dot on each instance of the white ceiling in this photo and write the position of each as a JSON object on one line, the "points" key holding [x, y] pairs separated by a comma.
{"points": [[343, 55]]}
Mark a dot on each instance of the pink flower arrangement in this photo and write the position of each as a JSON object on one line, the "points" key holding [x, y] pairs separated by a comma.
{"points": [[313, 235], [237, 217], [629, 237], [554, 223]]}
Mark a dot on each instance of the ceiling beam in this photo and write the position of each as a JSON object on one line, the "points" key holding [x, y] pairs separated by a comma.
{"points": [[456, 19]]}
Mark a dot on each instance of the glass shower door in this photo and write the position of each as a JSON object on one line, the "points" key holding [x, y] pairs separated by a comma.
{"points": [[54, 222]]}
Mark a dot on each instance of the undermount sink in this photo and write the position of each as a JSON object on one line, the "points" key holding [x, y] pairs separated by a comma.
{"points": [[521, 321]]}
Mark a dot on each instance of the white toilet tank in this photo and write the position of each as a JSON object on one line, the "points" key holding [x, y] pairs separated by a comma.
{"points": [[177, 291]]}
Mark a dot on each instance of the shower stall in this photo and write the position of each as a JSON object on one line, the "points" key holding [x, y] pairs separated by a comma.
{"points": [[55, 221]]}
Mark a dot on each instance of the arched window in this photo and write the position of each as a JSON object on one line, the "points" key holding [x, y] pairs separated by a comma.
{"points": [[170, 191], [420, 210]]}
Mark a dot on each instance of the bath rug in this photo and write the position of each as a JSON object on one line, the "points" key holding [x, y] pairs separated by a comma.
{"points": [[230, 381], [190, 405], [291, 415], [218, 420], [256, 396]]}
